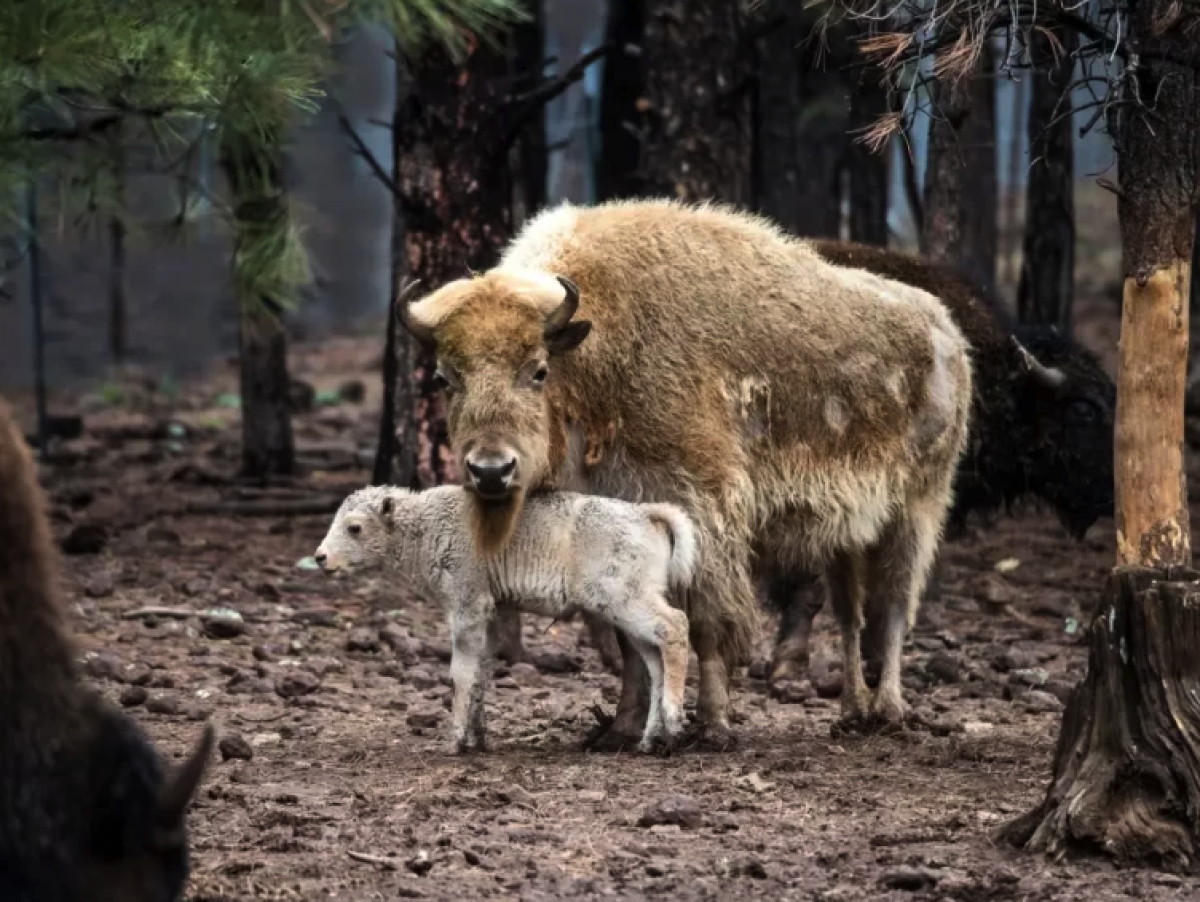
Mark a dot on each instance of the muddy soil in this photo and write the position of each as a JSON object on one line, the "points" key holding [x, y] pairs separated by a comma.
{"points": [[335, 779]]}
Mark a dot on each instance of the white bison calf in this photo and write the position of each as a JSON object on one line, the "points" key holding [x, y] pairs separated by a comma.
{"points": [[570, 552]]}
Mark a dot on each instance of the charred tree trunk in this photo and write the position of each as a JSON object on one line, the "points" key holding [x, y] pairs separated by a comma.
{"points": [[1046, 294], [118, 304], [396, 454], [530, 41], [959, 227], [260, 208], [697, 124], [1127, 768], [867, 170], [455, 189], [980, 197], [619, 162]]}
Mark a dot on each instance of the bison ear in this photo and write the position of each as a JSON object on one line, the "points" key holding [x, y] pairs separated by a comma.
{"points": [[183, 782], [569, 337], [1049, 377]]}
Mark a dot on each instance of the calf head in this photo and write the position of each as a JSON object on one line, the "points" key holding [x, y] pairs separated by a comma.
{"points": [[358, 537], [499, 338], [1068, 405]]}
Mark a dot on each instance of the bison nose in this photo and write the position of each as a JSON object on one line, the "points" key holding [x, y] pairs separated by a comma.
{"points": [[492, 475]]}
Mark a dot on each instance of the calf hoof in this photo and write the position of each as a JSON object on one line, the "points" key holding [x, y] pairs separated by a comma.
{"points": [[863, 723], [605, 736], [712, 737]]}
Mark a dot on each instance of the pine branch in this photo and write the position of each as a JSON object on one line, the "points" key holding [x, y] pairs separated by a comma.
{"points": [[420, 216]]}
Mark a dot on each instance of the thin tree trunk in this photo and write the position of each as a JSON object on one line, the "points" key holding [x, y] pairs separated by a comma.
{"points": [[1010, 271], [778, 164], [456, 192], [396, 455], [698, 129], [980, 197], [942, 228], [118, 303], [868, 171], [1047, 289], [530, 40], [619, 160], [260, 207], [1127, 766]]}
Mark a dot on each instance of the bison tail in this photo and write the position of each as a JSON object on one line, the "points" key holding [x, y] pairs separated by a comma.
{"points": [[681, 569]]}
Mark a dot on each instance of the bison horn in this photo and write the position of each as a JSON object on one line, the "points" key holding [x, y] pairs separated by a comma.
{"points": [[181, 784], [558, 320], [422, 333], [1050, 376]]}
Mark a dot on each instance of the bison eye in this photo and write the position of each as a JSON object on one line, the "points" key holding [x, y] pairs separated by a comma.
{"points": [[354, 529], [446, 379], [539, 375]]}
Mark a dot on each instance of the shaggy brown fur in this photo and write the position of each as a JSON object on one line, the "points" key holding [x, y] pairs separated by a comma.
{"points": [[87, 809], [811, 413]]}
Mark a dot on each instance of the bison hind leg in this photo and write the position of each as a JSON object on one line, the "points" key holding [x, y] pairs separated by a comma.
{"points": [[845, 578]]}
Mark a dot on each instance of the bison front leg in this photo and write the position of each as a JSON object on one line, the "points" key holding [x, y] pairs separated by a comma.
{"points": [[798, 598], [510, 647]]}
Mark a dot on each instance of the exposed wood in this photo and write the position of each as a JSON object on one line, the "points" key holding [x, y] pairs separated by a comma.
{"points": [[1046, 294]]}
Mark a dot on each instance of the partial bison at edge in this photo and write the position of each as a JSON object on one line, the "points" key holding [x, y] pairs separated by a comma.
{"points": [[653, 351], [89, 812], [1041, 429]]}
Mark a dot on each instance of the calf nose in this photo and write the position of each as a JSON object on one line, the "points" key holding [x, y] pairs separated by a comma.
{"points": [[320, 557], [492, 475]]}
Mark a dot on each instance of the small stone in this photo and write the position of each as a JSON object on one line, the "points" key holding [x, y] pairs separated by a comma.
{"points": [[977, 727], [235, 748], [87, 538], [296, 683], [263, 653], [194, 587], [100, 586], [506, 683], [132, 696], [322, 666], [420, 864], [944, 667], [327, 617], [829, 685], [680, 811], [362, 640], [1034, 676], [909, 879], [398, 639], [163, 703], [259, 740], [420, 678], [1039, 702], [423, 720], [592, 795], [557, 662], [792, 692], [223, 623], [100, 666], [1014, 659], [435, 649], [526, 675]]}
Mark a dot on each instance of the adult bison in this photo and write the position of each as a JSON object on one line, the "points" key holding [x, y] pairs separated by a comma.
{"points": [[806, 413], [1041, 428]]}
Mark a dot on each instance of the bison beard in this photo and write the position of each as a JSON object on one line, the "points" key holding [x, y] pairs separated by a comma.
{"points": [[1041, 427], [733, 372], [88, 810]]}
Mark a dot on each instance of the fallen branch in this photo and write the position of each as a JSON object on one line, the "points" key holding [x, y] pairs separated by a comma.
{"points": [[387, 864], [153, 611]]}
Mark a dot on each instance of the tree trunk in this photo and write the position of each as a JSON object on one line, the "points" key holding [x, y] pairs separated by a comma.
{"points": [[697, 124], [455, 189], [530, 40], [959, 227], [1127, 768], [118, 304], [868, 171], [619, 161], [260, 209], [980, 197], [396, 455], [1046, 294], [1011, 243]]}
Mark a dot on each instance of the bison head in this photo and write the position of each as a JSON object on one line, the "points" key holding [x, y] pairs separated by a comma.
{"points": [[498, 339], [1069, 405]]}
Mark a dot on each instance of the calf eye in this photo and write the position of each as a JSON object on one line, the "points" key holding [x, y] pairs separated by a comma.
{"points": [[354, 529]]}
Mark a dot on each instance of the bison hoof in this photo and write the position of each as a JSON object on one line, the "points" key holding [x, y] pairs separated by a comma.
{"points": [[789, 667], [713, 737], [468, 746], [610, 740]]}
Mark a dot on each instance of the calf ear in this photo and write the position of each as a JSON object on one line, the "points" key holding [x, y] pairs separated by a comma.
{"points": [[182, 783], [568, 337], [387, 511]]}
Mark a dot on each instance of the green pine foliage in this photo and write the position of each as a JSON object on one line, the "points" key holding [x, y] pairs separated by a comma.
{"points": [[78, 76]]}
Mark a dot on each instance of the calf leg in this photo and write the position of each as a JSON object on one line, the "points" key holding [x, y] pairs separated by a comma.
{"points": [[845, 577], [798, 597], [604, 639], [660, 633], [899, 567], [471, 631], [510, 647]]}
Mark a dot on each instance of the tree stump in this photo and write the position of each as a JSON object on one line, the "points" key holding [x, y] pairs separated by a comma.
{"points": [[1126, 778]]}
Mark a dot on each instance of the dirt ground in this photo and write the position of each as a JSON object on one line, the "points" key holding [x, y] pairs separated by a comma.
{"points": [[335, 780]]}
